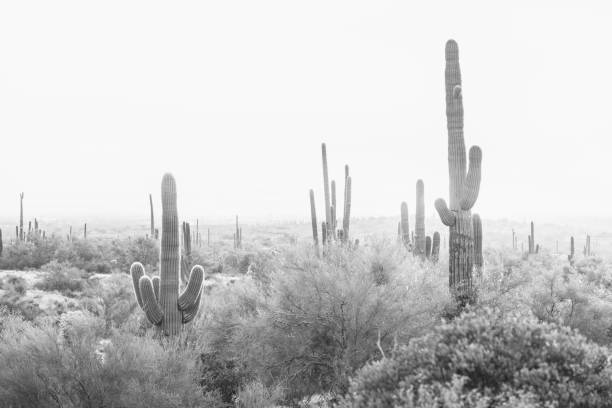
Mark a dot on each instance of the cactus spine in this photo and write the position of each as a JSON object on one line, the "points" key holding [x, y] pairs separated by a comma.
{"points": [[478, 259], [404, 229], [159, 297], [435, 247], [419, 228], [464, 184]]}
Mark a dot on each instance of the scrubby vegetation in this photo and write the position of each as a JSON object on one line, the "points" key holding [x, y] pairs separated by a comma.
{"points": [[296, 328]]}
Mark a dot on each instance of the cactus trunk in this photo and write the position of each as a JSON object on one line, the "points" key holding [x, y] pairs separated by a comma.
{"points": [[419, 228], [152, 218], [328, 219], [464, 184], [478, 258], [435, 247], [404, 225], [159, 297], [313, 219], [21, 235]]}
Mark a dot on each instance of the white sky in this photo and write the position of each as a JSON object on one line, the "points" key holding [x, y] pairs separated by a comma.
{"points": [[99, 99]]}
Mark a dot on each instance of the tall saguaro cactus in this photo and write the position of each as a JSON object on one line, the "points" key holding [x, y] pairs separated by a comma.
{"points": [[404, 224], [328, 219], [21, 234], [464, 184], [346, 221], [152, 218], [313, 218], [419, 227], [159, 297]]}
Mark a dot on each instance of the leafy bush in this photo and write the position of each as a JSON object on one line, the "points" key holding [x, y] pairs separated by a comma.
{"points": [[46, 365], [257, 395], [486, 358], [320, 319], [63, 278]]}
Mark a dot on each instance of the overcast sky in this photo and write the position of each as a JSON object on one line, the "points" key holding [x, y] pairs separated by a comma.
{"points": [[99, 99]]}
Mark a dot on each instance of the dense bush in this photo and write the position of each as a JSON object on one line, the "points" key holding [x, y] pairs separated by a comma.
{"points": [[49, 365], [319, 320], [63, 278], [486, 358]]}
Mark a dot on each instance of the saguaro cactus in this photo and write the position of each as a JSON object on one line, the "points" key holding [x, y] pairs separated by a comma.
{"points": [[404, 224], [478, 259], [435, 247], [570, 257], [328, 219], [419, 228], [463, 187], [313, 218], [152, 217], [532, 244], [159, 297], [427, 247], [346, 221], [21, 234]]}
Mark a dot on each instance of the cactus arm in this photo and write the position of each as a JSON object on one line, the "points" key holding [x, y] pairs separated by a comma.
{"points": [[446, 216], [192, 291], [137, 271], [471, 187], [192, 310], [155, 281], [150, 306]]}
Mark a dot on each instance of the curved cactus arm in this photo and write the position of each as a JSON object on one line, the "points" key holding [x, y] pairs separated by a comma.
{"points": [[471, 187], [155, 280], [192, 310], [447, 216], [193, 289], [150, 305], [137, 271]]}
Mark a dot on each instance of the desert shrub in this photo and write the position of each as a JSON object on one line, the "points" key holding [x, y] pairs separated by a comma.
{"points": [[12, 291], [111, 298], [63, 278], [127, 251], [91, 255], [46, 365], [22, 255], [322, 319], [487, 358], [217, 332], [257, 395]]}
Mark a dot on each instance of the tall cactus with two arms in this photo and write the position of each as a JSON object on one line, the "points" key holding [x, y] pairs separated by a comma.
{"points": [[464, 183], [159, 297]]}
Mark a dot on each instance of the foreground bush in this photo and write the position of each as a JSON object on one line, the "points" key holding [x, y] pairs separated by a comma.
{"points": [[489, 359], [50, 365], [315, 321]]}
